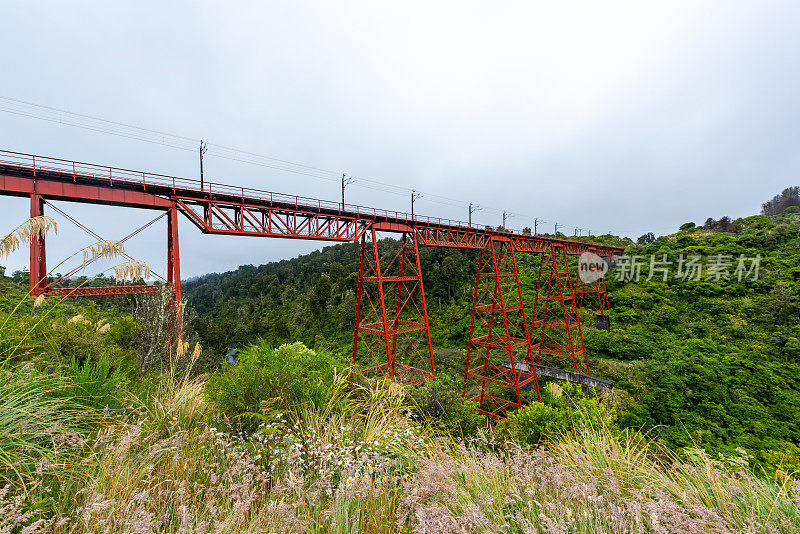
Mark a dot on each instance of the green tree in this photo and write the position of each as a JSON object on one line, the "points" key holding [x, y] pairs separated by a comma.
{"points": [[646, 239]]}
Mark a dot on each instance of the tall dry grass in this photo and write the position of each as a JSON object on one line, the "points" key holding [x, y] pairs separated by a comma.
{"points": [[32, 229], [37, 426], [595, 480], [362, 464]]}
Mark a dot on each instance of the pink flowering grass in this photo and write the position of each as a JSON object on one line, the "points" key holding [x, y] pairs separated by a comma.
{"points": [[592, 481], [362, 464]]}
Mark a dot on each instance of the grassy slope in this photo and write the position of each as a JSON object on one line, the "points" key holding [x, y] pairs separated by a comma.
{"points": [[359, 463]]}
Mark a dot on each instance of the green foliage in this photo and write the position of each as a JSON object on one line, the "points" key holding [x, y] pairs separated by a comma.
{"points": [[563, 411], [35, 417], [714, 363], [782, 303], [788, 201], [646, 239], [285, 377], [123, 331], [538, 422], [710, 365], [76, 341], [314, 295], [440, 402], [96, 385]]}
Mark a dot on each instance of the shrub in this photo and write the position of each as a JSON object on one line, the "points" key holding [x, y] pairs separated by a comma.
{"points": [[564, 412], [289, 376], [441, 402], [537, 423], [123, 331], [96, 385], [76, 340], [687, 226], [791, 210]]}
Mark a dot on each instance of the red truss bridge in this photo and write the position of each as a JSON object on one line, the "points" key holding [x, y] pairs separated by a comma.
{"points": [[392, 331]]}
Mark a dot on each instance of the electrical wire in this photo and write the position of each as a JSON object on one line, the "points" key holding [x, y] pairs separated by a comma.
{"points": [[180, 142]]}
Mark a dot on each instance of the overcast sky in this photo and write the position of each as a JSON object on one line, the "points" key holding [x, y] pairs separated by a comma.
{"points": [[615, 117]]}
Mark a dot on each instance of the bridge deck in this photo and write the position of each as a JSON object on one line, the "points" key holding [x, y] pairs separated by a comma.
{"points": [[223, 209]]}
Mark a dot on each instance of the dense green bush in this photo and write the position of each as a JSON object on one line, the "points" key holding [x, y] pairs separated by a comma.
{"points": [[97, 385], [76, 339], [538, 422], [562, 411], [287, 376], [440, 402], [123, 331]]}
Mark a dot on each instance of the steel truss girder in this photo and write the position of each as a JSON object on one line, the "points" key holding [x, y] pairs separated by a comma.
{"points": [[555, 313], [297, 217], [498, 331], [391, 333], [239, 218], [474, 238]]}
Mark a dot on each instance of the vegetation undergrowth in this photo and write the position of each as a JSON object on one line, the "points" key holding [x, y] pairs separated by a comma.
{"points": [[364, 461], [712, 363], [111, 422]]}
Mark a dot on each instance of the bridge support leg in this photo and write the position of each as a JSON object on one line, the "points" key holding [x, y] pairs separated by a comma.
{"points": [[173, 254], [498, 334], [555, 314], [592, 294], [391, 333], [38, 265]]}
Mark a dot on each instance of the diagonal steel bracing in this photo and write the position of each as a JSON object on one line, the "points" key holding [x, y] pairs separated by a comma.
{"points": [[391, 334], [498, 332], [555, 322]]}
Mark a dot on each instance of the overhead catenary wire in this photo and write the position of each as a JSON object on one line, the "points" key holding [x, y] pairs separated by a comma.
{"points": [[64, 117]]}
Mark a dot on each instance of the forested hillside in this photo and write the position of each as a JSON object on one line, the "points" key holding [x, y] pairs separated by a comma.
{"points": [[714, 362]]}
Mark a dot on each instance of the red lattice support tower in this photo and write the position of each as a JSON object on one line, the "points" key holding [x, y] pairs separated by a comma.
{"points": [[391, 333], [594, 294], [555, 314], [499, 340]]}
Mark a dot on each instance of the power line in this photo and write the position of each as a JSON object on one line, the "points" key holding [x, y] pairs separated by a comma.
{"points": [[107, 121], [95, 129], [180, 142]]}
